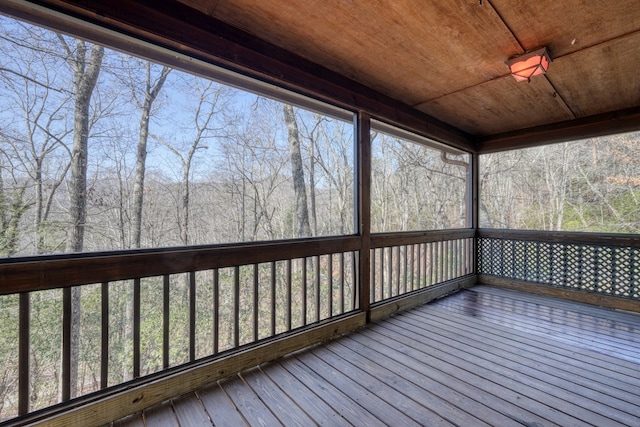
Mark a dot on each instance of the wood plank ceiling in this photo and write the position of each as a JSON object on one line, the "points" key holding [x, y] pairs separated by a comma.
{"points": [[446, 58]]}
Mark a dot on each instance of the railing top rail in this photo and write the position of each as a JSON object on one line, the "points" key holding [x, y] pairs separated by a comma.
{"points": [[587, 238], [64, 270], [380, 240]]}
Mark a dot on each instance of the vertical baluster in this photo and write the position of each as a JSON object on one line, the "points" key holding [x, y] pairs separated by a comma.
{"points": [[66, 344], [445, 261], [383, 270], [450, 266], [304, 291], [470, 255], [450, 259], [317, 287], [390, 268], [330, 284], [441, 260], [456, 254], [424, 256], [463, 253], [24, 338], [255, 302], [136, 328], [166, 303], [406, 271], [412, 267], [192, 316], [104, 331], [432, 262], [288, 308], [273, 298], [342, 309], [216, 310], [398, 270], [355, 280], [419, 262], [372, 274], [236, 307]]}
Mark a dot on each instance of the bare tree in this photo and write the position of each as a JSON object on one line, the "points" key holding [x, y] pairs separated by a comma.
{"points": [[152, 87], [85, 62], [210, 102], [297, 172]]}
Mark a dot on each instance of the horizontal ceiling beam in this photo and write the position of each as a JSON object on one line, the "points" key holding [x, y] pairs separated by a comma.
{"points": [[175, 26], [621, 121]]}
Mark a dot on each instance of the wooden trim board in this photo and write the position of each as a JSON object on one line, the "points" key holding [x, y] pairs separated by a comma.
{"points": [[387, 309]]}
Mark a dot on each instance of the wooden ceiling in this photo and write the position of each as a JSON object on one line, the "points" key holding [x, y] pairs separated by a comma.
{"points": [[433, 66], [446, 58]]}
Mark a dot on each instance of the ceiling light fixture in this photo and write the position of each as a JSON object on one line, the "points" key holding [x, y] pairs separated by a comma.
{"points": [[530, 64]]}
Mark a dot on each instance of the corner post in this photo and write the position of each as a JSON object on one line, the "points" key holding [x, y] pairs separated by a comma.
{"points": [[474, 177], [363, 217]]}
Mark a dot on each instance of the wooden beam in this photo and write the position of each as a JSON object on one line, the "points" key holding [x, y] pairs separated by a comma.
{"points": [[383, 240], [388, 308], [131, 398], [63, 270], [177, 27], [572, 237], [626, 120], [566, 294]]}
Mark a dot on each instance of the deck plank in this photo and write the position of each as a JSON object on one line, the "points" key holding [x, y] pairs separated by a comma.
{"points": [[160, 416], [484, 356], [285, 409], [320, 412], [571, 366], [366, 397], [516, 404], [352, 412], [580, 317], [494, 366], [219, 406], [190, 412], [444, 401], [531, 325], [249, 404], [585, 403], [386, 384]]}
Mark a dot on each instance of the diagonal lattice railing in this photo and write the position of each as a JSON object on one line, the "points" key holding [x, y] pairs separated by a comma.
{"points": [[598, 263]]}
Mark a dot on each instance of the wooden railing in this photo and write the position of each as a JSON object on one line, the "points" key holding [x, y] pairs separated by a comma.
{"points": [[113, 319], [402, 263], [606, 265], [179, 305]]}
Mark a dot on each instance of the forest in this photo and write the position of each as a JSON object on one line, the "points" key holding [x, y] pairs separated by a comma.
{"points": [[586, 185]]}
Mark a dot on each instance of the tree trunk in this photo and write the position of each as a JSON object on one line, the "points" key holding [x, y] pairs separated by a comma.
{"points": [[302, 211], [86, 71], [150, 95]]}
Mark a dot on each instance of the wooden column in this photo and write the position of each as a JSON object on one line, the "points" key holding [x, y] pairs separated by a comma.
{"points": [[24, 333], [363, 135], [474, 177]]}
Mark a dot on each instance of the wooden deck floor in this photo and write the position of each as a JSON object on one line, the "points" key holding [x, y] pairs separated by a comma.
{"points": [[484, 356]]}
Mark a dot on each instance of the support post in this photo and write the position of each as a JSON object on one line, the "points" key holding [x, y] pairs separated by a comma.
{"points": [[363, 144], [474, 183]]}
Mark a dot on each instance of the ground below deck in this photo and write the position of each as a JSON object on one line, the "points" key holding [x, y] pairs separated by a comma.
{"points": [[483, 356]]}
